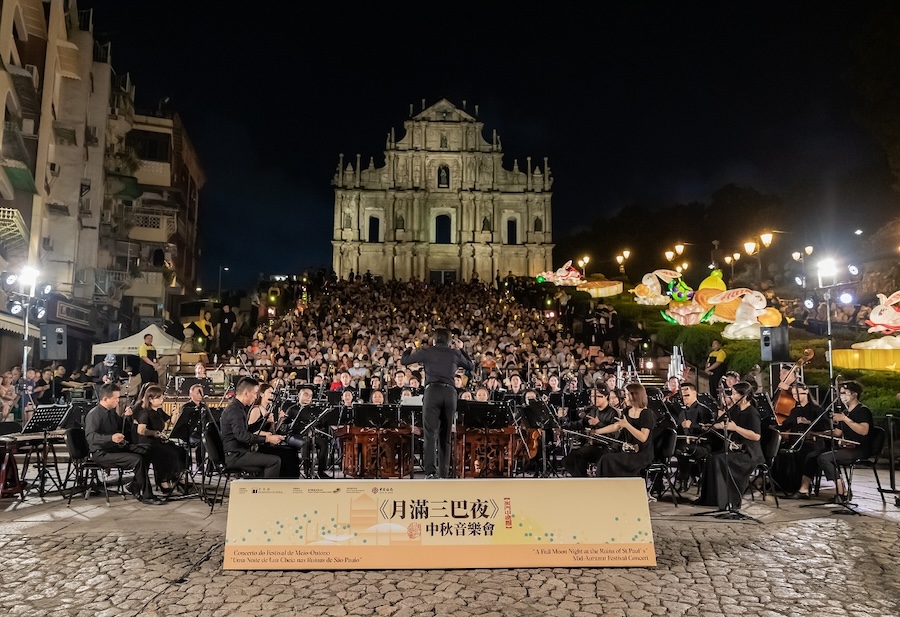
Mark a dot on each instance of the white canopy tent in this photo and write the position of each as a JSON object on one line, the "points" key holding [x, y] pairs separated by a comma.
{"points": [[165, 345]]}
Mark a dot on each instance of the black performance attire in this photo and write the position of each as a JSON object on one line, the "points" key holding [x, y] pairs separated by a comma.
{"points": [[290, 464], [577, 461], [100, 425], [238, 441], [787, 468], [625, 464], [828, 461], [439, 403], [299, 417], [690, 451], [167, 458], [226, 336], [724, 485]]}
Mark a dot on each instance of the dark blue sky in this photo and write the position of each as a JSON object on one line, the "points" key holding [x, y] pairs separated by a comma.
{"points": [[632, 102]]}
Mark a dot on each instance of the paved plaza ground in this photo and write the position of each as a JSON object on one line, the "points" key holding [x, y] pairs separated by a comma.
{"points": [[129, 559]]}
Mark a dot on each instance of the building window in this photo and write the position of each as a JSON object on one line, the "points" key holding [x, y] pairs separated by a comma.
{"points": [[149, 145], [374, 229], [442, 229], [512, 236], [538, 224], [443, 177]]}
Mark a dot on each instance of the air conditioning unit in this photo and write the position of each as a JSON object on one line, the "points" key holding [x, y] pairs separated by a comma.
{"points": [[54, 169], [35, 75], [47, 243]]}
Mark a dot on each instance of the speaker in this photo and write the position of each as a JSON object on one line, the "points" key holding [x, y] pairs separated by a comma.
{"points": [[773, 344], [53, 342]]}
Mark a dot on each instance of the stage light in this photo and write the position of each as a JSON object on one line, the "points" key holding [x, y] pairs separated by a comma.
{"points": [[43, 290], [9, 280], [799, 280], [809, 303], [852, 269], [15, 307], [29, 276], [827, 268], [38, 310], [846, 297]]}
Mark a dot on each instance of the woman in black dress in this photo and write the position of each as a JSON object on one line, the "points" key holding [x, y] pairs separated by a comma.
{"points": [[635, 424], [729, 466], [168, 460], [261, 422]]}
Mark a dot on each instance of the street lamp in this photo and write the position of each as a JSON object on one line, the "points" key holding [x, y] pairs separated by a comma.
{"points": [[800, 257], [221, 268], [582, 263], [670, 255], [765, 241], [29, 300], [679, 249], [729, 261], [620, 259]]}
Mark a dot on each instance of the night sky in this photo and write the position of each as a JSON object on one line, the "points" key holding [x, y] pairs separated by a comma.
{"points": [[657, 103]]}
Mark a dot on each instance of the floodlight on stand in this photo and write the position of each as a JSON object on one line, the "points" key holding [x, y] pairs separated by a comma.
{"points": [[43, 290], [827, 267], [38, 310], [809, 303], [14, 307], [29, 276], [846, 297], [9, 280], [799, 280], [853, 269]]}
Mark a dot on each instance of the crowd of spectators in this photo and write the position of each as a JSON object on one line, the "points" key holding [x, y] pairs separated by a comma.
{"points": [[361, 328]]}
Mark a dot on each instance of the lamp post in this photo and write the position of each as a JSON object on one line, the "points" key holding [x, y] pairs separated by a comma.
{"points": [[621, 258], [29, 300], [827, 267], [751, 247], [221, 268], [729, 261], [800, 258], [582, 263]]}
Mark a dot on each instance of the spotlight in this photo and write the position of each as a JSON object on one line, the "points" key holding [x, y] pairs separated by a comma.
{"points": [[15, 307], [808, 303], [846, 297], [38, 310], [852, 269], [43, 290], [799, 280], [9, 280]]}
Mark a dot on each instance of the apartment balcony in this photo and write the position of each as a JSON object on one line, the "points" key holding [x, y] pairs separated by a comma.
{"points": [[148, 285], [14, 145], [151, 226], [13, 234]]}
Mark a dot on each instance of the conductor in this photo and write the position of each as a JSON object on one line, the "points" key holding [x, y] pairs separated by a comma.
{"points": [[439, 403]]}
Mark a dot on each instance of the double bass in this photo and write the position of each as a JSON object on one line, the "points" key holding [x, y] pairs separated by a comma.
{"points": [[784, 402]]}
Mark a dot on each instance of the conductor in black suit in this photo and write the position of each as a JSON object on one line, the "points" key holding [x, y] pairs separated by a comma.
{"points": [[439, 403]]}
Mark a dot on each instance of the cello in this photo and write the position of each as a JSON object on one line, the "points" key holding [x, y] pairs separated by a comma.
{"points": [[784, 402]]}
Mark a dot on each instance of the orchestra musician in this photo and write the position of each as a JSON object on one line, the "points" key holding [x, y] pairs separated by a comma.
{"points": [[300, 441], [637, 420], [724, 484], [396, 391], [262, 421], [106, 439], [166, 457], [787, 467], [599, 415], [853, 424], [516, 390], [482, 394], [238, 440], [691, 454]]}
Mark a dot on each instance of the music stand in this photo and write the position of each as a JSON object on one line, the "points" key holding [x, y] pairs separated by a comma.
{"points": [[46, 418], [409, 411], [483, 416], [537, 415], [379, 417]]}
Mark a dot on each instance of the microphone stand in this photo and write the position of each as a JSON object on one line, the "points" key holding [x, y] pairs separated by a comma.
{"points": [[729, 512]]}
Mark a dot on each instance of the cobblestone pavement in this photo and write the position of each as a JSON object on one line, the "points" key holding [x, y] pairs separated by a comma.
{"points": [[128, 559]]}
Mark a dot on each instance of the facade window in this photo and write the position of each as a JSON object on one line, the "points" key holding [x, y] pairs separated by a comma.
{"points": [[512, 236], [442, 229], [149, 145], [374, 229], [443, 179]]}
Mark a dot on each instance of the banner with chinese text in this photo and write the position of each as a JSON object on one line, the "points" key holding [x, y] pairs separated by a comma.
{"points": [[466, 523]]}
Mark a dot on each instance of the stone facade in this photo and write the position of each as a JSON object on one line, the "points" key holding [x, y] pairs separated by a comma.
{"points": [[442, 207]]}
